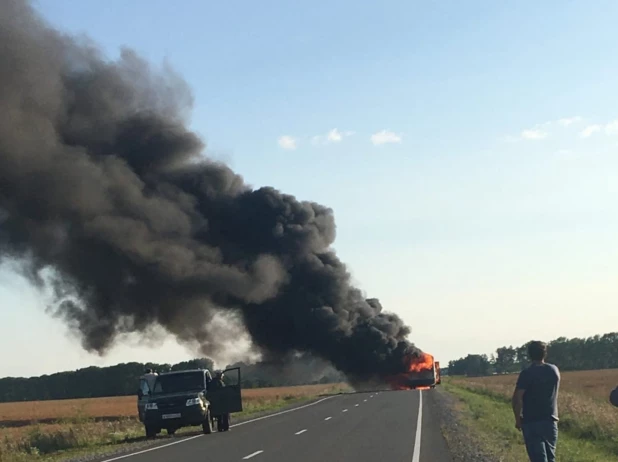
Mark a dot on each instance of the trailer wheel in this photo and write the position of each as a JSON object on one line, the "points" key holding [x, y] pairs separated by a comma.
{"points": [[171, 430]]}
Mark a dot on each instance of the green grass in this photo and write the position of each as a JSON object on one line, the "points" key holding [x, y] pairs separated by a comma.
{"points": [[490, 419]]}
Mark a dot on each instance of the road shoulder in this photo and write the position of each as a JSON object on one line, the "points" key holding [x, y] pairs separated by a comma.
{"points": [[459, 436]]}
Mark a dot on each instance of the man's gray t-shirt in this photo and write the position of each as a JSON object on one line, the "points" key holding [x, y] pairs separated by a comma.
{"points": [[541, 383]]}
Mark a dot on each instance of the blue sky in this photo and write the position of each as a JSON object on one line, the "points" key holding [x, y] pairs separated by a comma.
{"points": [[472, 163]]}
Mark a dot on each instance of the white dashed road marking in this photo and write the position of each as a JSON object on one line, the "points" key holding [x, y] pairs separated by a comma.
{"points": [[345, 410], [252, 455], [328, 418], [184, 440], [356, 405], [300, 432]]}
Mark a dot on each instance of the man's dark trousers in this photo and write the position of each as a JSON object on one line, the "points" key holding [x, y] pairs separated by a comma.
{"points": [[541, 438]]}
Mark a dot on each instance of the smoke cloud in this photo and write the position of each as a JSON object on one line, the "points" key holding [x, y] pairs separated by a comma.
{"points": [[102, 182]]}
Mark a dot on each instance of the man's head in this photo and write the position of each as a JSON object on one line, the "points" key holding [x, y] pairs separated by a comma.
{"points": [[613, 397], [537, 350]]}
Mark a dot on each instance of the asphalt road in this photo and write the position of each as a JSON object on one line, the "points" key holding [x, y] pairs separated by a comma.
{"points": [[373, 427]]}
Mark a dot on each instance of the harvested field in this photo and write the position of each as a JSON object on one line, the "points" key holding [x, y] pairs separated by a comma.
{"points": [[26, 413], [590, 384]]}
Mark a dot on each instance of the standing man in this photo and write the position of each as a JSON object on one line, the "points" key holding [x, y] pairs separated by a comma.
{"points": [[151, 378], [223, 421], [535, 405], [218, 382]]}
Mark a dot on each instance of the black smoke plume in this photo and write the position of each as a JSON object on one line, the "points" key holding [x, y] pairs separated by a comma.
{"points": [[101, 181]]}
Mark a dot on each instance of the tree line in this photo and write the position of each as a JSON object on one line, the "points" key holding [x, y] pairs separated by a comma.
{"points": [[575, 354], [123, 379]]}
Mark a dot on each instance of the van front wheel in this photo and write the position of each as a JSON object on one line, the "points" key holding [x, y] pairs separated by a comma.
{"points": [[151, 432]]}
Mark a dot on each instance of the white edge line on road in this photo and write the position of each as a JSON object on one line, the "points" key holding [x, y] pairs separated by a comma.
{"points": [[231, 426], [416, 456], [252, 455], [328, 418], [301, 432], [152, 449]]}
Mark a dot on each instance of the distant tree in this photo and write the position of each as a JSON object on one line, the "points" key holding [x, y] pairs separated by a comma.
{"points": [[122, 379], [596, 352], [200, 363], [506, 358], [472, 365]]}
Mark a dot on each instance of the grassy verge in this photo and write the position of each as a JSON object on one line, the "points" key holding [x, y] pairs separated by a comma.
{"points": [[71, 437], [489, 417]]}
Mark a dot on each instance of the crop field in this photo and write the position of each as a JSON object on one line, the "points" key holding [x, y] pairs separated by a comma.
{"points": [[30, 412], [588, 422], [594, 385], [43, 429]]}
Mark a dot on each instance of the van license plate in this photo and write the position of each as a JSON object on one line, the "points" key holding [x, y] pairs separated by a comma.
{"points": [[170, 416]]}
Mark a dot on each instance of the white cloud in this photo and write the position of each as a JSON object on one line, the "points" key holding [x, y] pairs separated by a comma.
{"points": [[612, 127], [333, 136], [534, 134], [287, 142], [565, 122], [543, 130], [385, 136], [589, 130]]}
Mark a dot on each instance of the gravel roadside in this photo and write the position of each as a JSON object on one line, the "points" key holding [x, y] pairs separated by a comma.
{"points": [[457, 435]]}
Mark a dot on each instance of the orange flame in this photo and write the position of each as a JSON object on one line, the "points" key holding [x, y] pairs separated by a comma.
{"points": [[415, 364], [420, 363]]}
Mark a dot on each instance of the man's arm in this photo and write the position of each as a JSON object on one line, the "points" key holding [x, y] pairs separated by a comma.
{"points": [[518, 398], [518, 403]]}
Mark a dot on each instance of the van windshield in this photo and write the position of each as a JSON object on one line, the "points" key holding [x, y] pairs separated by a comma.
{"points": [[179, 383]]}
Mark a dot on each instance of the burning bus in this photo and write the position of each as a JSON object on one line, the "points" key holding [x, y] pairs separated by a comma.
{"points": [[423, 373]]}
